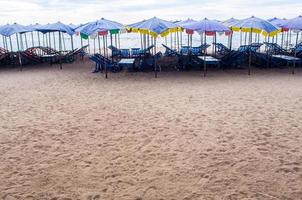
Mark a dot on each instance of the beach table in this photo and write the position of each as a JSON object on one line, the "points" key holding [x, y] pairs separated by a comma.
{"points": [[209, 60], [127, 63], [289, 60], [49, 57]]}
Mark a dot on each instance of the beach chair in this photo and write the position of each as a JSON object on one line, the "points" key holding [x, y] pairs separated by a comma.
{"points": [[275, 49], [182, 60], [4, 55], [198, 51], [185, 50], [149, 62], [234, 59], [115, 52], [221, 49], [124, 53], [135, 52], [147, 50], [108, 64]]}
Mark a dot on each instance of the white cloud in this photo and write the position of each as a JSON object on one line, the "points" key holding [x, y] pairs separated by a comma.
{"points": [[129, 11]]}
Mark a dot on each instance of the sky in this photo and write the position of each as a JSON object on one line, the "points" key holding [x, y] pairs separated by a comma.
{"points": [[129, 11]]}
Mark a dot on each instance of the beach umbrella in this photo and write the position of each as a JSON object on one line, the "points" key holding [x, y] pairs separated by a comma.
{"points": [[181, 23], [209, 27], [279, 23], [229, 23], [255, 25], [57, 27], [153, 27], [14, 29], [101, 27], [294, 24]]}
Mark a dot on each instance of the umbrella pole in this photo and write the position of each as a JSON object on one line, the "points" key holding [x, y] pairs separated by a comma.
{"points": [[72, 47], [63, 40], [294, 65], [39, 39], [282, 39], [181, 39], [166, 40], [155, 61], [99, 41], [240, 37], [60, 49], [250, 54], [245, 37], [26, 44], [111, 41], [103, 45], [49, 38], [19, 54], [17, 42], [177, 40], [11, 44], [43, 38], [119, 41], [141, 40], [81, 41], [32, 39], [54, 40], [88, 45], [106, 72], [94, 46], [5, 38], [290, 37], [231, 40], [21, 42], [171, 38], [215, 42], [205, 54]]}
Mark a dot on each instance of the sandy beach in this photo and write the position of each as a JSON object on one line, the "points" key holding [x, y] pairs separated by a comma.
{"points": [[70, 134]]}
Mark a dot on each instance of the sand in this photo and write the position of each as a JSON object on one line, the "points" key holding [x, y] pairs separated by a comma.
{"points": [[70, 134]]}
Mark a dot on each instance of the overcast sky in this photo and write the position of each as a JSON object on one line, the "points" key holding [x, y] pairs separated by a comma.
{"points": [[130, 11]]}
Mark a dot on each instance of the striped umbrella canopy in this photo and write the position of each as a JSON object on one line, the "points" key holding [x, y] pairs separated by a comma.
{"points": [[231, 22], [10, 29], [60, 27], [99, 26], [294, 24], [206, 25], [153, 27], [277, 21], [256, 25], [187, 21]]}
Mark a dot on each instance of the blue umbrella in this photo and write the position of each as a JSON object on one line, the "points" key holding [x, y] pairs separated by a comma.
{"points": [[277, 22], [294, 24], [99, 26], [153, 27], [206, 26], [180, 24], [60, 27], [187, 21], [10, 29], [231, 22], [256, 25]]}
